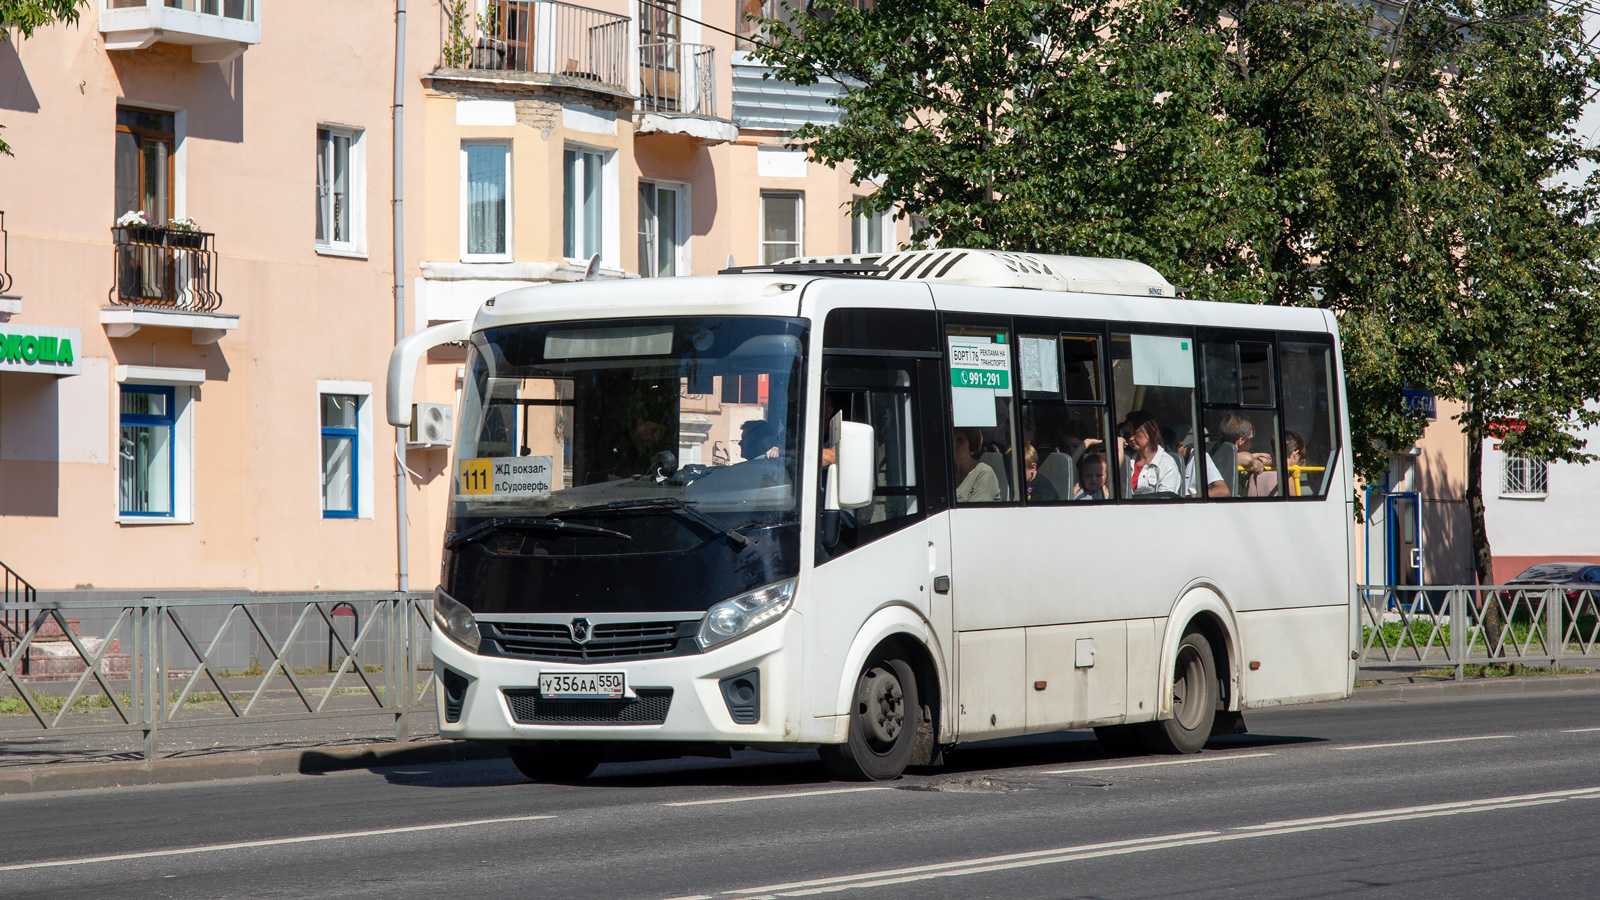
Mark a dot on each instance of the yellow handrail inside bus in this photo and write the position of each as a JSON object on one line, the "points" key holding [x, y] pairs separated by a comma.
{"points": [[1294, 474]]}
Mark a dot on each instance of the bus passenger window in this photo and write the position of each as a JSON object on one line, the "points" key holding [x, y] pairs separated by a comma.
{"points": [[981, 396], [1241, 417], [1153, 384], [1065, 421], [1311, 439]]}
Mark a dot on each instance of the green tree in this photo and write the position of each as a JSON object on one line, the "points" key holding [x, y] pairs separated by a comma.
{"points": [[27, 16], [1412, 172]]}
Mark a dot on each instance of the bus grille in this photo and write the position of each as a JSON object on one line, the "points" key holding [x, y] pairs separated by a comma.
{"points": [[528, 708], [610, 641]]}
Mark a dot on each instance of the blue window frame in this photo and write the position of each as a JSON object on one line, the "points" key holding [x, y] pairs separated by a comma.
{"points": [[146, 451], [341, 439]]}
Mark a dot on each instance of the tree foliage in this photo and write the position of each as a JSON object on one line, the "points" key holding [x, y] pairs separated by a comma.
{"points": [[1415, 170], [27, 16]]}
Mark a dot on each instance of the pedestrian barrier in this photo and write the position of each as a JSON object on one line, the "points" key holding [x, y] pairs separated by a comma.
{"points": [[157, 664], [1452, 626]]}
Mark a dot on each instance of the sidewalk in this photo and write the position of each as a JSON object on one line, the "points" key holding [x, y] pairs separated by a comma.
{"points": [[75, 762]]}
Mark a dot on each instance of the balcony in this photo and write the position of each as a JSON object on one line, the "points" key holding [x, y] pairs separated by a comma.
{"points": [[678, 92], [10, 304], [165, 278], [215, 30], [556, 43]]}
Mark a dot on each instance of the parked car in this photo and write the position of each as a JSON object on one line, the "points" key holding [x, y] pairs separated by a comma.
{"points": [[1582, 581]]}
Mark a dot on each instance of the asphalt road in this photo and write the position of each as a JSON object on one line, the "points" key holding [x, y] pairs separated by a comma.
{"points": [[1450, 798]]}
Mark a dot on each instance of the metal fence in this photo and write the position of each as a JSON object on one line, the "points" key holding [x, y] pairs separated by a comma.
{"points": [[675, 77], [155, 664], [1452, 626], [166, 268], [541, 37]]}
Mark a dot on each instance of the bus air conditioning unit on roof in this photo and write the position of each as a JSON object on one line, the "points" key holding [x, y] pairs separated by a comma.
{"points": [[998, 268], [430, 426]]}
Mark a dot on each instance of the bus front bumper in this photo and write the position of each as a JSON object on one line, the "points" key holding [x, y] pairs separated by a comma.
{"points": [[501, 691]]}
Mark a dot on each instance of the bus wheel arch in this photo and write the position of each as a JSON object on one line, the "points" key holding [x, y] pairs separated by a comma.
{"points": [[898, 631], [1202, 609]]}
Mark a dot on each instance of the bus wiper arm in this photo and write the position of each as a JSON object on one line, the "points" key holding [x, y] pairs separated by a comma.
{"points": [[481, 530], [685, 507]]}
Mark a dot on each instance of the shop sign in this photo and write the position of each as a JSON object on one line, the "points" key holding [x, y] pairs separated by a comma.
{"points": [[1420, 401], [40, 349]]}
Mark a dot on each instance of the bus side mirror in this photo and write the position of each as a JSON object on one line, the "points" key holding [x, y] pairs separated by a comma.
{"points": [[855, 473], [403, 364]]}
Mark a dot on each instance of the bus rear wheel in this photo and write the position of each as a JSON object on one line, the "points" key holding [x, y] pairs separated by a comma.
{"points": [[556, 760], [1194, 700], [883, 724]]}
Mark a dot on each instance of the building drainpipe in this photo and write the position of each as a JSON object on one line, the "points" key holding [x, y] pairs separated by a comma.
{"points": [[403, 574]]}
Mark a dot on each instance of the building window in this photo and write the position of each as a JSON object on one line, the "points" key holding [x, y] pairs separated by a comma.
{"points": [[341, 439], [871, 233], [486, 202], [341, 185], [144, 163], [583, 206], [147, 451], [782, 234], [1526, 477], [660, 237]]}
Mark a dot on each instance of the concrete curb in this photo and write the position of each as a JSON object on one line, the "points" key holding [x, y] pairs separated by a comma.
{"points": [[1480, 687], [238, 764]]}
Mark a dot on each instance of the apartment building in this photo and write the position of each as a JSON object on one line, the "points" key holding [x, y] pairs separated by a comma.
{"points": [[197, 287]]}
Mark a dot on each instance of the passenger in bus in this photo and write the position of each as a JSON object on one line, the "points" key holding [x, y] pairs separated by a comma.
{"points": [[1237, 430], [978, 482], [1147, 467], [1040, 490], [1091, 478], [1294, 454], [1216, 484]]}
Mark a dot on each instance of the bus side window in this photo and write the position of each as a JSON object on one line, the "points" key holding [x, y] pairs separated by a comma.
{"points": [[1310, 419], [1152, 379], [1065, 420], [1238, 393], [982, 413], [880, 393]]}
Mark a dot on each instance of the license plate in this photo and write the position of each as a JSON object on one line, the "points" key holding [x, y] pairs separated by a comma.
{"points": [[581, 685]]}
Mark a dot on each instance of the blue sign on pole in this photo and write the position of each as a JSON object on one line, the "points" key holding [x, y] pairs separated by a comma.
{"points": [[1423, 401]]}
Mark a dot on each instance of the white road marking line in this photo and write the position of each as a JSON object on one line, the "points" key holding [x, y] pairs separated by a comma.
{"points": [[854, 790], [1479, 737], [1577, 730], [1165, 762], [981, 865], [694, 897], [274, 842]]}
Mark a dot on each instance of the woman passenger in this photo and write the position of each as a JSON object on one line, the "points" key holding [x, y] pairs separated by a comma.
{"points": [[1147, 468]]}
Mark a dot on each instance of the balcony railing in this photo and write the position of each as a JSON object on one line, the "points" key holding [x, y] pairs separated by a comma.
{"points": [[541, 37], [5, 256], [165, 268], [678, 78]]}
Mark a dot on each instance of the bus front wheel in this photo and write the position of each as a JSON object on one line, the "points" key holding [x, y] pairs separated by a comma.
{"points": [[1194, 700], [883, 723], [556, 760]]}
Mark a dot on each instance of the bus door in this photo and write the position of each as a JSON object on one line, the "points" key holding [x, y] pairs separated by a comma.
{"points": [[894, 552]]}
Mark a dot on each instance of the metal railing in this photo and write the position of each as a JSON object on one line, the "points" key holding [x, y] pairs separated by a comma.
{"points": [[1452, 626], [166, 268], [675, 77], [542, 37], [15, 612], [158, 664]]}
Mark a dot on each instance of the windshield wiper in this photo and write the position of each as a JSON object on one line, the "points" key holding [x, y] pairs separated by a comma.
{"points": [[686, 507], [481, 530]]}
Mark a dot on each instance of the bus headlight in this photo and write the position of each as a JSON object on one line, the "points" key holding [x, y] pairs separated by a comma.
{"points": [[455, 620], [745, 613]]}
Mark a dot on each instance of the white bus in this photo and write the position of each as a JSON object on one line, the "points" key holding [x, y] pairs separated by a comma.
{"points": [[884, 505]]}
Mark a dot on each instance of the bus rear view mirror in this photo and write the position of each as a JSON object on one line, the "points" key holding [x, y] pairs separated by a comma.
{"points": [[403, 364], [855, 464]]}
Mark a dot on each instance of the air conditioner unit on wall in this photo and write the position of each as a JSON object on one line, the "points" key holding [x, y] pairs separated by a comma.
{"points": [[430, 426]]}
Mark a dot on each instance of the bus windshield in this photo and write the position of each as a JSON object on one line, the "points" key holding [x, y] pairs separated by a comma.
{"points": [[693, 418]]}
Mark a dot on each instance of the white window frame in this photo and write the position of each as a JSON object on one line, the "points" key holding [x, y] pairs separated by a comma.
{"points": [[365, 448], [356, 246], [800, 223], [610, 205], [510, 205], [1533, 483], [860, 228], [183, 382], [681, 251]]}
